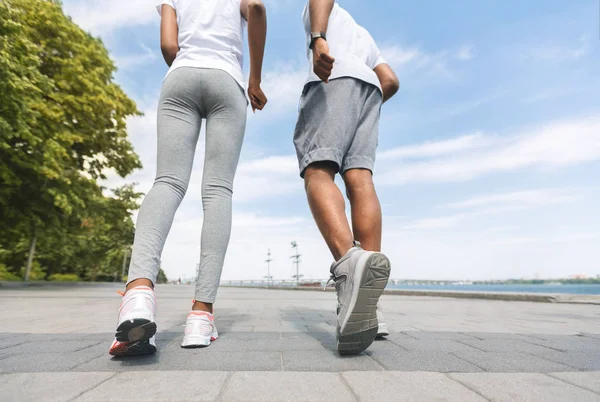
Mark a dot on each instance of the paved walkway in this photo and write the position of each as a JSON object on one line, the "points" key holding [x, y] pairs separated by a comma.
{"points": [[279, 345]]}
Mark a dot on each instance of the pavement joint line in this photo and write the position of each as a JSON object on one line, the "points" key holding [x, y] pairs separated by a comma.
{"points": [[471, 346], [553, 361], [468, 361], [95, 386], [348, 386], [383, 366], [86, 362], [552, 375], [467, 386], [281, 361], [87, 347], [224, 385], [544, 346], [400, 346]]}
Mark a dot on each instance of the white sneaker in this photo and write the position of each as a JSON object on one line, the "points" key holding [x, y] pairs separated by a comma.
{"points": [[136, 326], [382, 329], [200, 330]]}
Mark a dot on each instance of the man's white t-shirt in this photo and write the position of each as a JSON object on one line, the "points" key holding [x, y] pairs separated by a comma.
{"points": [[356, 53], [211, 35]]}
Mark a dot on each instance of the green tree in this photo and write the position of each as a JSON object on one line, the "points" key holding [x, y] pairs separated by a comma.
{"points": [[62, 127]]}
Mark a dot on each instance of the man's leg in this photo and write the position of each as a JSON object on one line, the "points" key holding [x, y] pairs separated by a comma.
{"points": [[365, 208], [328, 207]]}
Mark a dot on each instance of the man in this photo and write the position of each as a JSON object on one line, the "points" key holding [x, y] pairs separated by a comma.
{"points": [[337, 132]]}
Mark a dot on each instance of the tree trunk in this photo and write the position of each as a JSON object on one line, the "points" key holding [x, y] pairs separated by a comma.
{"points": [[31, 254]]}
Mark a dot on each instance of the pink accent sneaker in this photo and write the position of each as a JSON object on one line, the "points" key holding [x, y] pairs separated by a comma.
{"points": [[200, 330]]}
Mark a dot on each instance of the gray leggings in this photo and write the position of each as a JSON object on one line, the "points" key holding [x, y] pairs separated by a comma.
{"points": [[188, 95]]}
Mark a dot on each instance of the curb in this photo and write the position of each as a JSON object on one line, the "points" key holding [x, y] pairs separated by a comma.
{"points": [[40, 284], [501, 296]]}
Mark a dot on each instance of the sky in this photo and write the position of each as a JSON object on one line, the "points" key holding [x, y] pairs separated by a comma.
{"points": [[488, 161]]}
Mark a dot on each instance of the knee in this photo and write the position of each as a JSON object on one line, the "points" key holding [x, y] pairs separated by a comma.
{"points": [[359, 183], [174, 184], [217, 189], [319, 171]]}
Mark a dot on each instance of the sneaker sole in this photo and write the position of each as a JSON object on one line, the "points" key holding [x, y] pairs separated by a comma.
{"points": [[361, 325], [139, 348], [139, 329], [199, 345]]}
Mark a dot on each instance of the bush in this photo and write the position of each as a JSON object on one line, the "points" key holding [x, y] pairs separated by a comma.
{"points": [[5, 275], [37, 272], [64, 278]]}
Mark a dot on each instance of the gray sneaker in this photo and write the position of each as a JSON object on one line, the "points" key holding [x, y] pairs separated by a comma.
{"points": [[382, 328], [360, 278]]}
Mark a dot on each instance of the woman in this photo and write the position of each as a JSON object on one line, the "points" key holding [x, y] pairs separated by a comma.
{"points": [[202, 42]]}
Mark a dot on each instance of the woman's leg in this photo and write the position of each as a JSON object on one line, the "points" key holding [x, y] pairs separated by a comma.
{"points": [[178, 124], [226, 108]]}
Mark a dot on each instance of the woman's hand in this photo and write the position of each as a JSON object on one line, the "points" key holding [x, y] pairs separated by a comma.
{"points": [[258, 99]]}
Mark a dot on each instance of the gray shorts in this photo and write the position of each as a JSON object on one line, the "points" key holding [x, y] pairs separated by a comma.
{"points": [[338, 122]]}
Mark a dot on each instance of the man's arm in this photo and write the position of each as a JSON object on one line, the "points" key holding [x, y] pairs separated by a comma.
{"points": [[255, 13], [320, 10], [168, 34], [388, 80]]}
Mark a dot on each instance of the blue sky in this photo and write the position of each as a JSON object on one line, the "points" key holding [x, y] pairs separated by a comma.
{"points": [[489, 156]]}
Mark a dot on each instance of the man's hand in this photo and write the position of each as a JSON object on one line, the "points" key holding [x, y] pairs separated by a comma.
{"points": [[258, 100], [322, 60]]}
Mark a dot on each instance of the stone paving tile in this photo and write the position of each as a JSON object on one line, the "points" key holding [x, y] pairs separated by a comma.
{"points": [[247, 335], [402, 386], [45, 362], [9, 343], [269, 386], [505, 345], [589, 380], [233, 361], [569, 343], [327, 361], [511, 362], [587, 361], [159, 386], [590, 335], [524, 387], [48, 386], [497, 335], [392, 357], [437, 335], [159, 361], [438, 345], [51, 346], [283, 344]]}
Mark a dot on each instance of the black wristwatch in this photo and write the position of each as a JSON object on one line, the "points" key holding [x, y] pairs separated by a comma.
{"points": [[313, 38]]}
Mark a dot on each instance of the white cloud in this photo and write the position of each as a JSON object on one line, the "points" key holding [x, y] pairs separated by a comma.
{"points": [[283, 86], [436, 148], [526, 198], [132, 61], [465, 52], [495, 204], [552, 146], [105, 16], [414, 62], [560, 53]]}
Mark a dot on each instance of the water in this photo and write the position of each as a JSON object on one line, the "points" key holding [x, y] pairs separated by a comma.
{"points": [[566, 289]]}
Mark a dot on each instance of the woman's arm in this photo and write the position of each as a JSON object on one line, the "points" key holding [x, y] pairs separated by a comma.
{"points": [[255, 13], [168, 34]]}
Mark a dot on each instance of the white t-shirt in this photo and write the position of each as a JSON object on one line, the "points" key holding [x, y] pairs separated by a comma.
{"points": [[356, 53], [211, 35]]}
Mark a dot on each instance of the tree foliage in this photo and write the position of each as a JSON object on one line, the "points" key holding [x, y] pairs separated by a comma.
{"points": [[62, 127]]}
